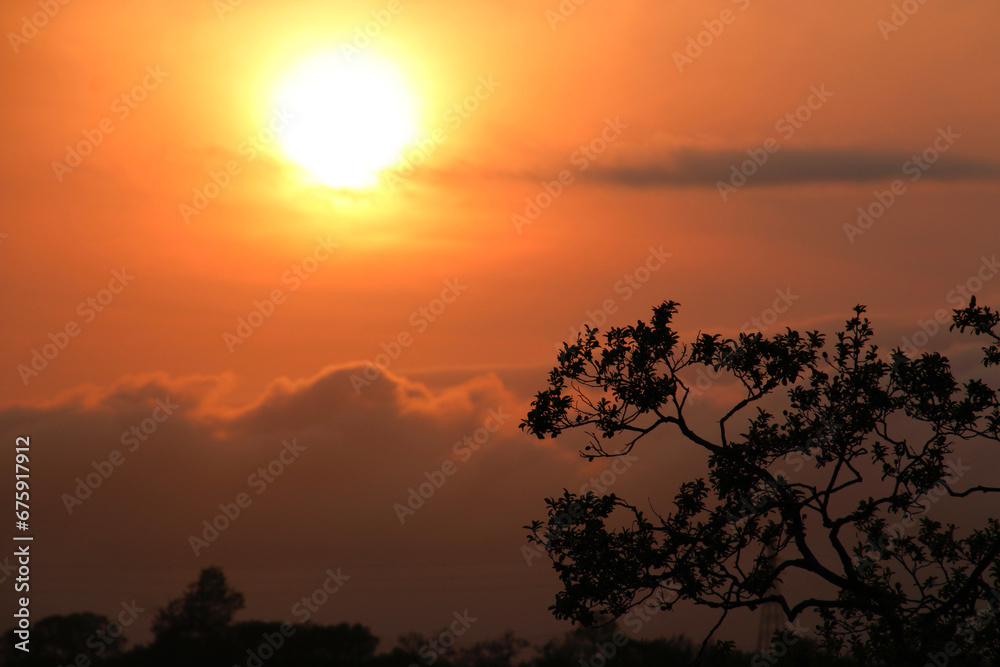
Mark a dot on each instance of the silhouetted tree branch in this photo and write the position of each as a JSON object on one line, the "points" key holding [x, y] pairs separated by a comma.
{"points": [[889, 584]]}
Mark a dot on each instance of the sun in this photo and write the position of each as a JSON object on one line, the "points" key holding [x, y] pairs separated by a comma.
{"points": [[350, 119]]}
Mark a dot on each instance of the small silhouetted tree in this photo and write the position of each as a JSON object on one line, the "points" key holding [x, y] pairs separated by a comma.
{"points": [[63, 639], [880, 433], [204, 611]]}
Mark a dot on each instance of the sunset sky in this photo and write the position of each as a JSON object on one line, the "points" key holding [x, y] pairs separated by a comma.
{"points": [[551, 165]]}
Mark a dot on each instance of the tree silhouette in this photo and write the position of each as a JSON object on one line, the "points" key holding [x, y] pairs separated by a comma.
{"points": [[59, 639], [503, 651], [204, 611], [886, 581]]}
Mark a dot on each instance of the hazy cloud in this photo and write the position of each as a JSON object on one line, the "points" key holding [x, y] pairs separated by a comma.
{"points": [[705, 167]]}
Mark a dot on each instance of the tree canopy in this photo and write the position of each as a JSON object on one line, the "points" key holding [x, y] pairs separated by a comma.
{"points": [[204, 611], [885, 581]]}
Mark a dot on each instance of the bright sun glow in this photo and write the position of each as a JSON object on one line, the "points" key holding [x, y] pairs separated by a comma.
{"points": [[349, 120]]}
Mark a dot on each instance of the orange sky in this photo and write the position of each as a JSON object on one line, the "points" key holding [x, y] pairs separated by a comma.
{"points": [[638, 219]]}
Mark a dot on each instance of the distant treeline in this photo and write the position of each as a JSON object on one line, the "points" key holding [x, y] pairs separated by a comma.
{"points": [[197, 630], [57, 642]]}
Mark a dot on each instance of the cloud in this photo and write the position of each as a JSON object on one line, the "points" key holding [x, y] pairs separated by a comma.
{"points": [[788, 166], [123, 477], [181, 453]]}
